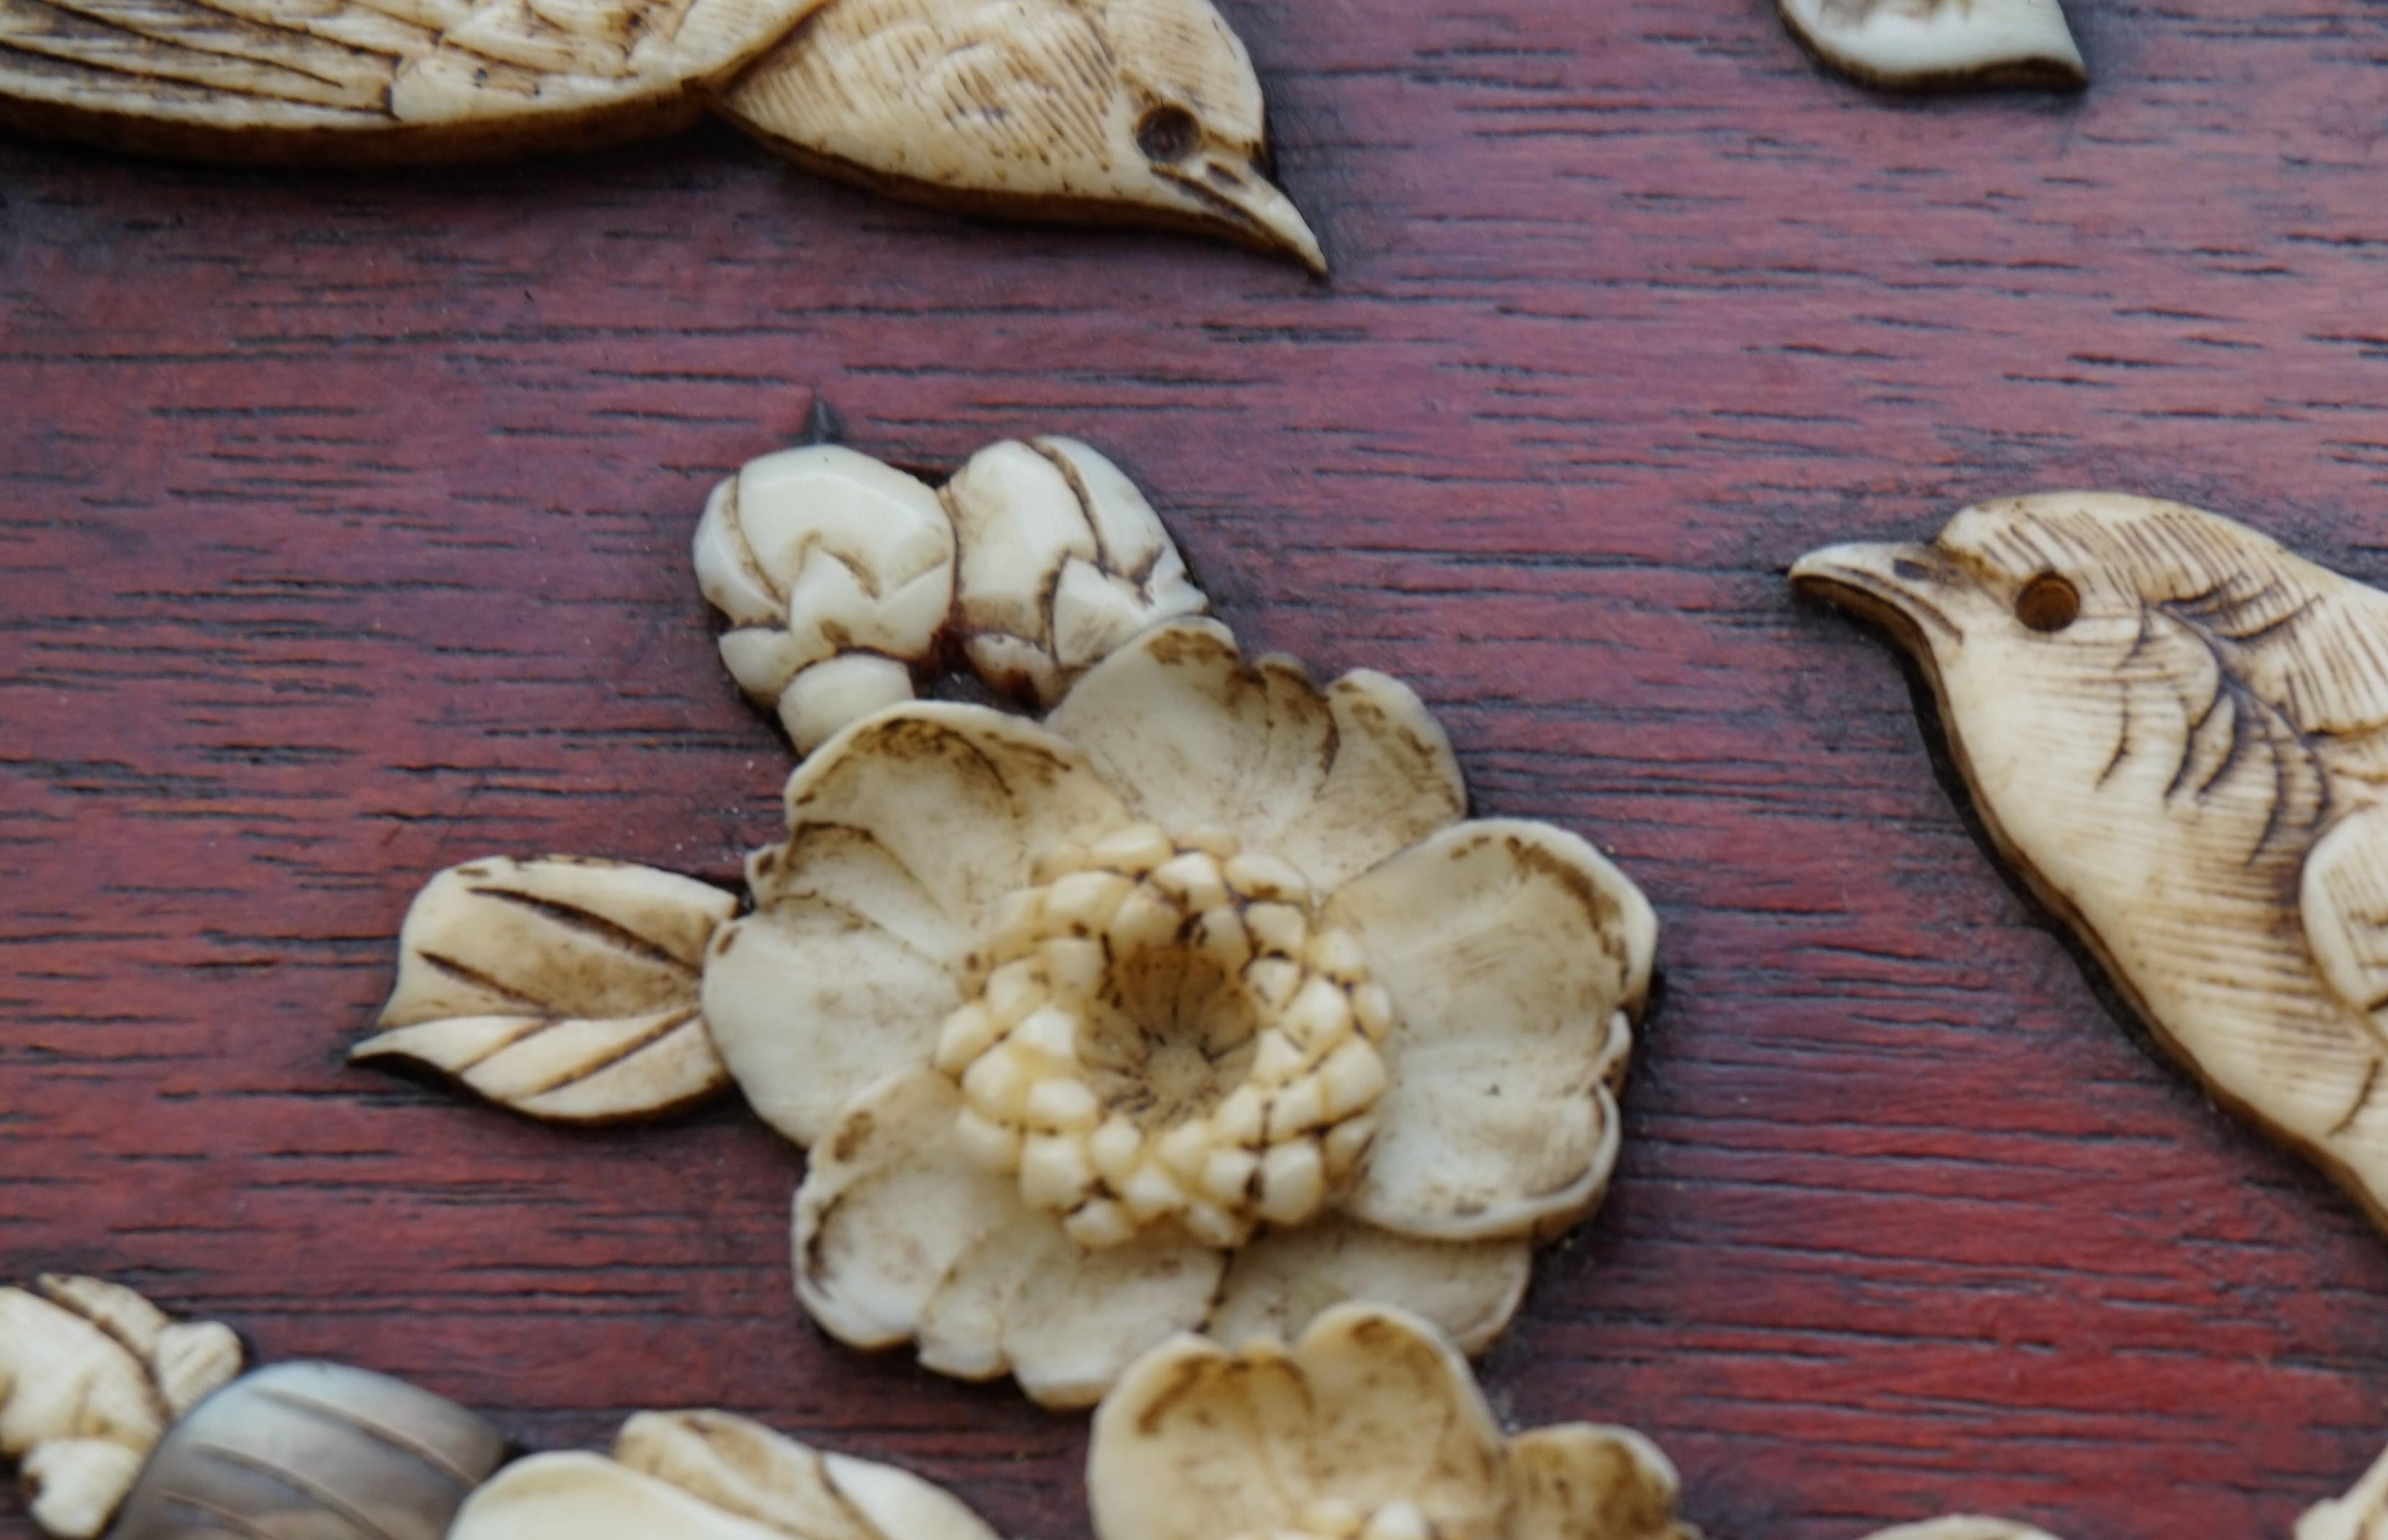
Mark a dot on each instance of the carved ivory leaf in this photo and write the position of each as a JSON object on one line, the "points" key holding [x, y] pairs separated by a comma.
{"points": [[847, 583], [1123, 110], [564, 987], [1922, 44], [90, 1376], [310, 1449], [710, 1476], [2178, 732], [1369, 1427]]}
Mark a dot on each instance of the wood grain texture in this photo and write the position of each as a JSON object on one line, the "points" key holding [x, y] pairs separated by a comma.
{"points": [[345, 538]]}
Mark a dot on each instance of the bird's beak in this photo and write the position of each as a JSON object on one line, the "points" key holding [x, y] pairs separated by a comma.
{"points": [[1250, 206], [1895, 585]]}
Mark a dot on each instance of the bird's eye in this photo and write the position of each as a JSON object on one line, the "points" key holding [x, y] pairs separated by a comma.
{"points": [[1167, 133], [2048, 603]]}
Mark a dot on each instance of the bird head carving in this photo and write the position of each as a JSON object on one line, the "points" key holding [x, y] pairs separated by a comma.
{"points": [[1073, 109], [2055, 625]]}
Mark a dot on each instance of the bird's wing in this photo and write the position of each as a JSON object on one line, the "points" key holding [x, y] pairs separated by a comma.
{"points": [[389, 79], [973, 95], [2345, 899]]}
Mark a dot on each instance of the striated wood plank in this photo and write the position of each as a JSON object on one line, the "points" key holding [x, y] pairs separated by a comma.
{"points": [[344, 538]]}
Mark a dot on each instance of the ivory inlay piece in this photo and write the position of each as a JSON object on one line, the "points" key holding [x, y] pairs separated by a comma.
{"points": [[1926, 43], [1370, 1427], [93, 1378], [2177, 730], [1139, 111], [710, 1476], [564, 988], [91, 1374], [2362, 1514], [847, 583], [1199, 1003]]}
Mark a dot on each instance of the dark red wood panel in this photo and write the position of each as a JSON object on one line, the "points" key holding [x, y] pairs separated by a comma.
{"points": [[343, 537]]}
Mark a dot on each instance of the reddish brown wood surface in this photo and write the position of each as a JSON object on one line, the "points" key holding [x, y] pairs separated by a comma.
{"points": [[344, 536]]}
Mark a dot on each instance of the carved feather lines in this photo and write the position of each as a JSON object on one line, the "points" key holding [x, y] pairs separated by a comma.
{"points": [[198, 45]]}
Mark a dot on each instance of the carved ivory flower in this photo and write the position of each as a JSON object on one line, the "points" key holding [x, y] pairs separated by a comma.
{"points": [[1368, 1427], [1199, 1003]]}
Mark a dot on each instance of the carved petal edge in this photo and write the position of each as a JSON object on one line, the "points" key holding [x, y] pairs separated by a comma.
{"points": [[1924, 44], [90, 1375], [707, 1475], [562, 987]]}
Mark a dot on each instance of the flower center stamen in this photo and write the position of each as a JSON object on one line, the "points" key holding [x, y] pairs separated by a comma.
{"points": [[1163, 1031]]}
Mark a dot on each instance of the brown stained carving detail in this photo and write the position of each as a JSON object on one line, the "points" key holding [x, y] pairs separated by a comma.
{"points": [[90, 1375], [2177, 730], [564, 988], [1042, 108]]}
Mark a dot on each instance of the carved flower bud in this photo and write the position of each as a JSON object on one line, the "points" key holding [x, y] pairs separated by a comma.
{"points": [[836, 573], [1062, 559], [90, 1374]]}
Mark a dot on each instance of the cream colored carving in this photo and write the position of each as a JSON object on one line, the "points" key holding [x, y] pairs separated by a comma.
{"points": [[90, 1376], [2362, 1514], [709, 1476], [1199, 1002], [845, 580], [2177, 730], [564, 988], [1929, 43], [836, 574], [1140, 111], [1061, 560], [1367, 1428]]}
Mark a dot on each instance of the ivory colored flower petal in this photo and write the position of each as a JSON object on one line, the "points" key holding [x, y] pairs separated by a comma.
{"points": [[1282, 1280], [1579, 1481], [1515, 957], [1936, 43], [888, 1204], [1371, 1407], [810, 1002], [583, 1497], [1191, 736], [744, 1469], [959, 799]]}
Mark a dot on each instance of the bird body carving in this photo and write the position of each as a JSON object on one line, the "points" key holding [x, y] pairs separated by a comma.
{"points": [[2178, 729], [1132, 110]]}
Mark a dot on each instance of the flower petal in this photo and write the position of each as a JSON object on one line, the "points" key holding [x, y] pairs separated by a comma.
{"points": [[1333, 781], [1371, 1407], [1579, 1481], [1063, 1319], [1515, 956], [952, 802], [1182, 1449], [809, 1003], [889, 1204], [1279, 1282]]}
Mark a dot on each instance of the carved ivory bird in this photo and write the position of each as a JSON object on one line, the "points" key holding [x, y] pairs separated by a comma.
{"points": [[1142, 111], [1921, 44], [2177, 730]]}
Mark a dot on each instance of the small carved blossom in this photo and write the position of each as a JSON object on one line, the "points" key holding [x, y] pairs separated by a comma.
{"points": [[1199, 1003]]}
